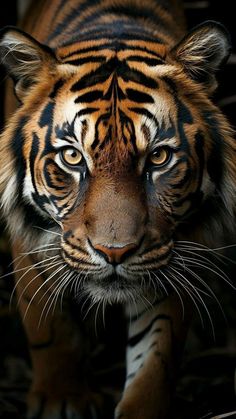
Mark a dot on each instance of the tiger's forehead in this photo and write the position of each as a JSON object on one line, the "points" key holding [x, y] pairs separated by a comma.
{"points": [[118, 110]]}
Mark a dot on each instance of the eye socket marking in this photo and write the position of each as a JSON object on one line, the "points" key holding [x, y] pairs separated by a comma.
{"points": [[160, 157], [71, 156]]}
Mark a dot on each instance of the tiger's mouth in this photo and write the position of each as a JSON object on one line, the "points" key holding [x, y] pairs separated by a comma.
{"points": [[116, 288]]}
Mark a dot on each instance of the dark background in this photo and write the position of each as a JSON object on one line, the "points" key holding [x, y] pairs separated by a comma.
{"points": [[206, 382]]}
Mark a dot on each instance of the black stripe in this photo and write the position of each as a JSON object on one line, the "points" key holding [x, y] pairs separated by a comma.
{"points": [[43, 345], [33, 154], [135, 339], [87, 111], [154, 259], [155, 246], [128, 74], [184, 116], [56, 88], [74, 13], [74, 247], [172, 87], [89, 96], [139, 356], [124, 31], [121, 46], [185, 179], [17, 144], [128, 10], [139, 97], [166, 133], [131, 375], [46, 117], [84, 60], [49, 169], [96, 140], [99, 75], [151, 62], [125, 121], [78, 260], [145, 112]]}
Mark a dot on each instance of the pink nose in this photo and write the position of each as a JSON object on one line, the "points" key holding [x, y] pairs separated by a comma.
{"points": [[115, 255]]}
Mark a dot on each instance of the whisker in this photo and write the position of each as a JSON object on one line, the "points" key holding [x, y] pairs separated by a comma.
{"points": [[205, 259], [195, 262], [33, 280], [24, 254], [55, 285], [199, 279], [197, 294], [69, 277], [190, 294], [38, 290], [160, 283], [212, 251], [32, 266], [64, 280], [48, 231], [176, 290], [48, 265]]}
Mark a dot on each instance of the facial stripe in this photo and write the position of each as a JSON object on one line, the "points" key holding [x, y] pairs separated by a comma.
{"points": [[138, 96], [89, 96]]}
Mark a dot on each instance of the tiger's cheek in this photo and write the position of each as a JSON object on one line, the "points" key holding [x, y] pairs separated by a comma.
{"points": [[176, 191], [48, 188]]}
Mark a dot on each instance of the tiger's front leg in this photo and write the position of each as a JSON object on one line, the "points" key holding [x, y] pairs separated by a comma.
{"points": [[155, 341], [58, 348]]}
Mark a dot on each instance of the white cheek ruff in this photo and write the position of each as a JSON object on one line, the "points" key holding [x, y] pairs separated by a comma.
{"points": [[9, 195], [28, 188]]}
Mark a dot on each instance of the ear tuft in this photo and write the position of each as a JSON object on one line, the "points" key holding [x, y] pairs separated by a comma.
{"points": [[203, 51], [22, 56]]}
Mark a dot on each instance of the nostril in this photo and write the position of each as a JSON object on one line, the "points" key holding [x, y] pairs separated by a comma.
{"points": [[115, 255]]}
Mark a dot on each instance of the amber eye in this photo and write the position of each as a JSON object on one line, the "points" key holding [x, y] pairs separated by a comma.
{"points": [[71, 156], [160, 156]]}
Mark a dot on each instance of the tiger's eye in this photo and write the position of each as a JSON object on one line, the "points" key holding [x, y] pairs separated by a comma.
{"points": [[71, 156], [160, 157]]}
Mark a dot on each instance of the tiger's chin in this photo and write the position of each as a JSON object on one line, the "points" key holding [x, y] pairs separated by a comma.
{"points": [[118, 289]]}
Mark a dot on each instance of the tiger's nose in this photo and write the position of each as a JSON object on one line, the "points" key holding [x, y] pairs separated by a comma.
{"points": [[115, 255]]}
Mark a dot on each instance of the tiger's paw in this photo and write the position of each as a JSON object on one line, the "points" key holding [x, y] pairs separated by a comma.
{"points": [[42, 406]]}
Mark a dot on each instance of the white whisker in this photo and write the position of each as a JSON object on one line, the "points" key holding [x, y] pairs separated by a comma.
{"points": [[48, 231], [38, 289]]}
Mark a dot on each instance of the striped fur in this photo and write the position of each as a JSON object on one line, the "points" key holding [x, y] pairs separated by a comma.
{"points": [[118, 84]]}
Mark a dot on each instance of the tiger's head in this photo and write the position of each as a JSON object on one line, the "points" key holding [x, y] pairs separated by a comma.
{"points": [[117, 152]]}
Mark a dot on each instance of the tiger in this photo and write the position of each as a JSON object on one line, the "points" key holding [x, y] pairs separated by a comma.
{"points": [[115, 164]]}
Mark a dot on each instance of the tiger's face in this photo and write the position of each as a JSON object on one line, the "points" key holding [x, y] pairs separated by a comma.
{"points": [[119, 154], [116, 172]]}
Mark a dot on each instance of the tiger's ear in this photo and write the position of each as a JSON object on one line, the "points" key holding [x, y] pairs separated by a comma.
{"points": [[23, 58], [202, 52]]}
